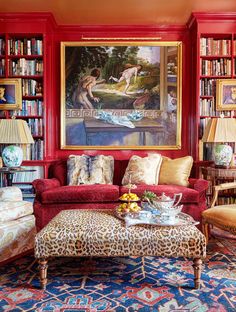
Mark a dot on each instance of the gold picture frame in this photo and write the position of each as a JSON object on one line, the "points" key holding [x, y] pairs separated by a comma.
{"points": [[10, 94], [121, 95], [225, 94]]}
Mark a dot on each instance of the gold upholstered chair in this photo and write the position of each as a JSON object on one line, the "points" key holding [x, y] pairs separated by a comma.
{"points": [[222, 216]]}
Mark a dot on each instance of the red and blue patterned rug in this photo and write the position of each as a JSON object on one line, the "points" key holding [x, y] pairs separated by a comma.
{"points": [[123, 284]]}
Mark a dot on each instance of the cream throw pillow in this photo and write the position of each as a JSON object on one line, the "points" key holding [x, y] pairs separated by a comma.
{"points": [[143, 170], [175, 171], [86, 169]]}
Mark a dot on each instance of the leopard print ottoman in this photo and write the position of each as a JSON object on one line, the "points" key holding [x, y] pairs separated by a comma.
{"points": [[100, 233]]}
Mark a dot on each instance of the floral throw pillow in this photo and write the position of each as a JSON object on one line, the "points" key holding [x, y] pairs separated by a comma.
{"points": [[86, 169], [143, 170]]}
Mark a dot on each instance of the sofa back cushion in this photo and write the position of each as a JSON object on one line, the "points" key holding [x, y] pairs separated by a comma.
{"points": [[86, 169], [143, 170], [58, 170]]}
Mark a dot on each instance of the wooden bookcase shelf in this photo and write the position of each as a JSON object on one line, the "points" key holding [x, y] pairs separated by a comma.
{"points": [[213, 52], [22, 57]]}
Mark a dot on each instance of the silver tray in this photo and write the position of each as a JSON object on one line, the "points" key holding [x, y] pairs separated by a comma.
{"points": [[146, 217]]}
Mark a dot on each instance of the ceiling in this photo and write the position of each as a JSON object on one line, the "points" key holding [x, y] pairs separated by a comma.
{"points": [[119, 12]]}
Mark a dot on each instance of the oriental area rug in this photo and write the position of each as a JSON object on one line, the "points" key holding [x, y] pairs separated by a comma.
{"points": [[123, 284]]}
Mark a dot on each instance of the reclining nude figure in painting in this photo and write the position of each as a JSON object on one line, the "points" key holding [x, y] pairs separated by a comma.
{"points": [[83, 92]]}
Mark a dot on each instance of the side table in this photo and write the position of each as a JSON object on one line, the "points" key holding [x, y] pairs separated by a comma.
{"points": [[9, 173], [217, 176]]}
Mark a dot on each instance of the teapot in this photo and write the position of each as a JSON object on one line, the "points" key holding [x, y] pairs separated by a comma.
{"points": [[164, 202], [168, 207]]}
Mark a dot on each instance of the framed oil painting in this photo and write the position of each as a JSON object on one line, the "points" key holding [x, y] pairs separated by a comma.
{"points": [[119, 95], [10, 94], [226, 94]]}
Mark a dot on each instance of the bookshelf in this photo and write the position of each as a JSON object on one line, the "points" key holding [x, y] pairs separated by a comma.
{"points": [[216, 61], [2, 56], [22, 56], [213, 55]]}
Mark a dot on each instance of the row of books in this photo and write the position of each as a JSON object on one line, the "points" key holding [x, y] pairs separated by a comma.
{"points": [[37, 150], [226, 200], [36, 126], [23, 67], [2, 46], [28, 176], [25, 46], [27, 190], [31, 87], [207, 87], [210, 46], [2, 67], [221, 200], [33, 151], [207, 107], [30, 108], [219, 67]]}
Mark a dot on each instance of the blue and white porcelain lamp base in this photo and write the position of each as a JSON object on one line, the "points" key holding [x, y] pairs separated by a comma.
{"points": [[12, 156], [223, 154]]}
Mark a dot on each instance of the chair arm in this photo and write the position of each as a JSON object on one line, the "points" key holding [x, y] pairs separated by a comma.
{"points": [[199, 185], [41, 185], [221, 187], [225, 186]]}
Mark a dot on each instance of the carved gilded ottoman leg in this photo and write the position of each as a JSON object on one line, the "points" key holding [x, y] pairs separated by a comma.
{"points": [[197, 266], [43, 272]]}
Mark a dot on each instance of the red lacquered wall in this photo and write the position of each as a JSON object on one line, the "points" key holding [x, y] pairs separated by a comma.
{"points": [[44, 23]]}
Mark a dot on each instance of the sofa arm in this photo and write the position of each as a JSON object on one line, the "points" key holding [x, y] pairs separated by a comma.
{"points": [[10, 193], [41, 185], [199, 185]]}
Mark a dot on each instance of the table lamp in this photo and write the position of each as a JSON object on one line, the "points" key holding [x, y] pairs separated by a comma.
{"points": [[221, 130], [14, 131]]}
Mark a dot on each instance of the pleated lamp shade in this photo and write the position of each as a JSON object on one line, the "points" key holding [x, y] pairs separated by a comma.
{"points": [[221, 130], [14, 131]]}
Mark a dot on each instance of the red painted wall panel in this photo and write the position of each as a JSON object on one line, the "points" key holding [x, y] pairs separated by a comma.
{"points": [[35, 23]]}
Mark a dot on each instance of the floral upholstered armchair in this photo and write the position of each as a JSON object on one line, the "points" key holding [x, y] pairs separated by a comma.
{"points": [[17, 224]]}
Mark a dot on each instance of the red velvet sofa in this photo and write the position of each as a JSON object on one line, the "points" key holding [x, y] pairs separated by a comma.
{"points": [[53, 194]]}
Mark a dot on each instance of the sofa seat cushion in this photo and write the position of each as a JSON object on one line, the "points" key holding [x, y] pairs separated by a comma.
{"points": [[81, 193], [189, 195]]}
